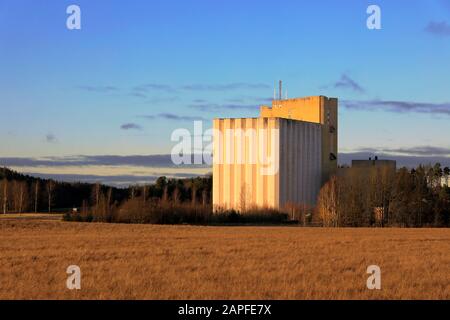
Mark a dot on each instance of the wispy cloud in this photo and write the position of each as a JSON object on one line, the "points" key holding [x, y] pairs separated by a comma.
{"points": [[345, 82], [151, 161], [138, 94], [199, 87], [263, 100], [416, 151], [172, 116], [153, 99], [242, 100], [153, 87], [130, 126], [398, 106], [158, 100], [51, 138], [144, 90], [218, 107], [102, 89], [438, 28], [235, 100], [225, 87]]}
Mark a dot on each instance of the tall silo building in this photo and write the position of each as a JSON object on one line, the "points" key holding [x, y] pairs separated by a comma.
{"points": [[282, 157]]}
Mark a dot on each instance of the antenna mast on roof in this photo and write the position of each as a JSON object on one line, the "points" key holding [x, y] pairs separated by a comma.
{"points": [[281, 89]]}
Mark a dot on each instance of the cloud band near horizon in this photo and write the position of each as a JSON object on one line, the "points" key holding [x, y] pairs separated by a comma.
{"points": [[398, 106], [125, 170]]}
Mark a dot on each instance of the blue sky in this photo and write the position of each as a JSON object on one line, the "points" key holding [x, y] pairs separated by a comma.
{"points": [[137, 70]]}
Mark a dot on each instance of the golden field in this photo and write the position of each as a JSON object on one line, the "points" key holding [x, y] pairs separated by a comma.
{"points": [[193, 262]]}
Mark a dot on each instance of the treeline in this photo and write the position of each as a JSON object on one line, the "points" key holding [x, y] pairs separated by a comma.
{"points": [[168, 201], [383, 197], [165, 211], [356, 197], [21, 193]]}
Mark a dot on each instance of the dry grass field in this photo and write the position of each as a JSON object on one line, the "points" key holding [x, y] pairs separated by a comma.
{"points": [[190, 262]]}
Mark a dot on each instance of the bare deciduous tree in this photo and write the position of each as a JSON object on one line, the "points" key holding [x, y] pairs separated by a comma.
{"points": [[36, 195], [50, 187], [194, 195], [204, 197], [5, 195], [96, 194], [144, 193], [176, 196], [20, 196], [133, 192], [327, 204], [165, 195]]}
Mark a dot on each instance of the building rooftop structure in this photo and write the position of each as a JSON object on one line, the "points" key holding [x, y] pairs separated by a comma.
{"points": [[375, 162]]}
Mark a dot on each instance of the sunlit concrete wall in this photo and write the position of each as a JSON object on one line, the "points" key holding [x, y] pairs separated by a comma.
{"points": [[265, 169]]}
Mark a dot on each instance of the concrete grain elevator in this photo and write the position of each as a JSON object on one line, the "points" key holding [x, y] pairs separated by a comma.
{"points": [[282, 157]]}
